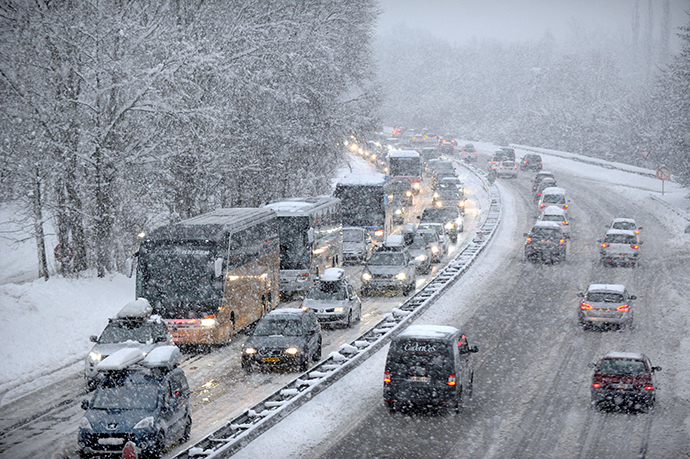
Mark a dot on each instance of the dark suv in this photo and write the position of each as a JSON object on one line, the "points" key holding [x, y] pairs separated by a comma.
{"points": [[545, 243], [450, 217], [140, 399], [428, 365], [531, 162]]}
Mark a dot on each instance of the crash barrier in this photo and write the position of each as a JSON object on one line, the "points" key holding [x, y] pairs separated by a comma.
{"points": [[588, 160], [242, 429]]}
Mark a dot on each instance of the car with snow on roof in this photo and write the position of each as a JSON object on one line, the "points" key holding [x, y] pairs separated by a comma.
{"points": [[622, 223], [428, 366], [357, 244], [623, 380], [605, 306], [133, 326], [142, 399], [390, 268], [619, 247], [333, 299], [558, 215], [545, 243]]}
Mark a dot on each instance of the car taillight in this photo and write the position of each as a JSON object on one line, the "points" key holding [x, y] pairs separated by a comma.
{"points": [[605, 244], [451, 379], [596, 384], [649, 387], [542, 206], [565, 222], [528, 241], [386, 376], [623, 307], [585, 306], [634, 246], [565, 206], [561, 242]]}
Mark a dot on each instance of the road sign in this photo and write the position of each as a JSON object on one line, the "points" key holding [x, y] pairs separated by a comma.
{"points": [[663, 173], [645, 154]]}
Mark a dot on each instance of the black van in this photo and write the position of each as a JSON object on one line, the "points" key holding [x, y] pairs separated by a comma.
{"points": [[428, 365]]}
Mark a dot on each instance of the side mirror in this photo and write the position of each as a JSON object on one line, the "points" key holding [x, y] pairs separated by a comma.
{"points": [[85, 403], [310, 235], [93, 338], [580, 294], [474, 349], [639, 227], [641, 242], [600, 240], [525, 235], [656, 369], [218, 267], [161, 339], [129, 264], [592, 365], [633, 297]]}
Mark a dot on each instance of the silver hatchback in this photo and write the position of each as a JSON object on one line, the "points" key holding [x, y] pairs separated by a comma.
{"points": [[605, 306]]}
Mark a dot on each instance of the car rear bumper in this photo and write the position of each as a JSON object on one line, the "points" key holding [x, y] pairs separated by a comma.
{"points": [[622, 397]]}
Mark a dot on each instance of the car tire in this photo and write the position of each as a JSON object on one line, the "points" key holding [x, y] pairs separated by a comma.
{"points": [[247, 367], [349, 319], [187, 433], [317, 353], [391, 406], [304, 364]]}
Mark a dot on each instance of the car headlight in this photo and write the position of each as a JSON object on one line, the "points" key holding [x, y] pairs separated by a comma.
{"points": [[416, 185], [401, 276], [85, 424], [408, 193], [421, 257], [339, 309], [208, 322], [292, 350], [439, 203], [398, 212], [249, 350], [366, 276], [95, 356], [435, 249], [449, 226], [378, 233], [145, 423], [435, 195], [461, 203]]}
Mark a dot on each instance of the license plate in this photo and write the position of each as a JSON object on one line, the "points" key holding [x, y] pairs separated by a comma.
{"points": [[422, 379], [621, 386], [270, 359], [111, 441]]}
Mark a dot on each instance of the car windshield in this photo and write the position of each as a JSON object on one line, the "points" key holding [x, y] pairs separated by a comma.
{"points": [[328, 291], [418, 243], [121, 331], [623, 226], [285, 326], [440, 215], [353, 236], [126, 395], [623, 367], [386, 259], [429, 237], [604, 297], [553, 199], [438, 229], [546, 233], [619, 239]]}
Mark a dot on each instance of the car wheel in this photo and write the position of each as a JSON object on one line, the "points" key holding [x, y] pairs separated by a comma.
{"points": [[247, 366], [317, 352], [158, 447], [187, 429], [304, 364], [349, 319], [390, 405], [91, 384]]}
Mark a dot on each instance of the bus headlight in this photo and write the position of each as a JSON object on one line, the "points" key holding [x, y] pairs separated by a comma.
{"points": [[434, 249], [401, 276], [209, 322]]}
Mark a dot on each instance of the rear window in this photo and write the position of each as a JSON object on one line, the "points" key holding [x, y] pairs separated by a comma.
{"points": [[386, 259], [546, 233], [604, 297], [553, 199], [619, 239], [418, 357], [624, 226], [623, 367]]}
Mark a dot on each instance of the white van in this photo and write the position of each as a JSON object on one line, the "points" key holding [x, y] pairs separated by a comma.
{"points": [[553, 196]]}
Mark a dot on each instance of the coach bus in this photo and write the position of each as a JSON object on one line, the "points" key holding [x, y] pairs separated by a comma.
{"points": [[405, 165], [311, 240], [365, 203], [211, 275]]}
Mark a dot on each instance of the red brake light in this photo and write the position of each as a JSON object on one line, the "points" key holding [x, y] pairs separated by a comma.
{"points": [[634, 246], [585, 306], [605, 244], [451, 379], [528, 241], [649, 387], [623, 307], [596, 385], [561, 242], [565, 206], [386, 376], [565, 222], [542, 206]]}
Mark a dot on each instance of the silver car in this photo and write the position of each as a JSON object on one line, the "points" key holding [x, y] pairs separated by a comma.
{"points": [[357, 244], [389, 269], [606, 305], [333, 299], [620, 247], [133, 326]]}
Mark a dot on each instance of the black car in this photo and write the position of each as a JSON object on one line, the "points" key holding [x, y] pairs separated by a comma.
{"points": [[531, 162], [428, 365], [283, 338], [450, 217], [144, 400], [545, 243]]}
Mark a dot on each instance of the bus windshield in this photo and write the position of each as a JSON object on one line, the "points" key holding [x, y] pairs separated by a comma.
{"points": [[362, 205], [405, 167], [179, 273], [294, 245]]}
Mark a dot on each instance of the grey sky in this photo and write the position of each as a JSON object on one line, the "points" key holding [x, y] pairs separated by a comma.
{"points": [[460, 20]]}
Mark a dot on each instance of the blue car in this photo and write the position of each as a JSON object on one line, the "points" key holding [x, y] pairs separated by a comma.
{"points": [[142, 400]]}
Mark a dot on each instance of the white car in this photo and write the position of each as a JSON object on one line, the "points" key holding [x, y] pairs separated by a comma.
{"points": [[558, 215], [133, 326], [333, 299], [620, 247], [507, 169]]}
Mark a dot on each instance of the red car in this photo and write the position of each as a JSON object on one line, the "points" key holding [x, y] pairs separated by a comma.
{"points": [[623, 379]]}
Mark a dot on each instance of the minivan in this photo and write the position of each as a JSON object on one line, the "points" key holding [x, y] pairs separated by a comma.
{"points": [[428, 366]]}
